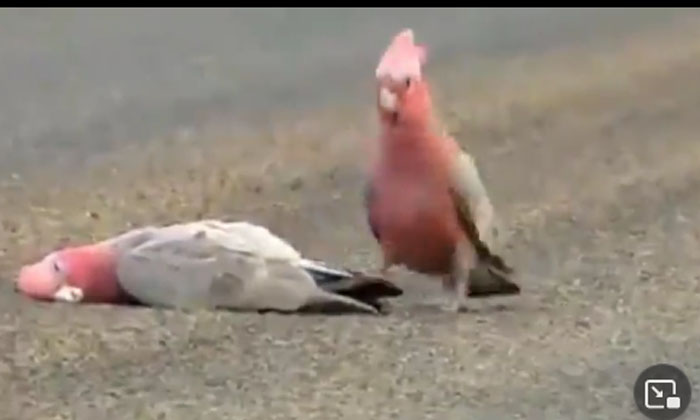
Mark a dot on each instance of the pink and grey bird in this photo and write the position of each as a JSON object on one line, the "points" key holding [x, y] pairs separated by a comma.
{"points": [[427, 206], [204, 264]]}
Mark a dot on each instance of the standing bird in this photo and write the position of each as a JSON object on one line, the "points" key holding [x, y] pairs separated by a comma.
{"points": [[426, 204], [205, 264]]}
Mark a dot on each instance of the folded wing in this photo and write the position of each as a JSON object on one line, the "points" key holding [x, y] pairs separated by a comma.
{"points": [[477, 219], [214, 264]]}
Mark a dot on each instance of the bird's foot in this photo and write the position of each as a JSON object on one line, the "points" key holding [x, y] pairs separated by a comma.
{"points": [[385, 272], [456, 294], [455, 305], [383, 307]]}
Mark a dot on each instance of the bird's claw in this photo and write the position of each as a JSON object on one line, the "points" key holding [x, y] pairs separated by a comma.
{"points": [[455, 303], [383, 307], [454, 308]]}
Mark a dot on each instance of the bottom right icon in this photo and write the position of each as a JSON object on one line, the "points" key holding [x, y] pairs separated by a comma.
{"points": [[662, 392]]}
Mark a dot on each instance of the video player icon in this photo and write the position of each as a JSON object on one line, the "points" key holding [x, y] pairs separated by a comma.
{"points": [[662, 392], [658, 397]]}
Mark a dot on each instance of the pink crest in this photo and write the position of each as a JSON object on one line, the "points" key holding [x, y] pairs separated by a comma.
{"points": [[402, 58]]}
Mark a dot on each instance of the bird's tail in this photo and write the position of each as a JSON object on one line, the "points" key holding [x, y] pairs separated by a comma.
{"points": [[488, 280], [352, 284], [334, 303]]}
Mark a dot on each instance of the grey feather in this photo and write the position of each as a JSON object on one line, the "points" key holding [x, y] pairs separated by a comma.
{"points": [[491, 276], [467, 183], [213, 264], [358, 286]]}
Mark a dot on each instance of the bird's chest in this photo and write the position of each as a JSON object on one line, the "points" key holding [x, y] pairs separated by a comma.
{"points": [[413, 206], [416, 219], [411, 187]]}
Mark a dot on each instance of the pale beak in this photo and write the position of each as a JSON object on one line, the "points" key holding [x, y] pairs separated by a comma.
{"points": [[387, 99], [68, 294]]}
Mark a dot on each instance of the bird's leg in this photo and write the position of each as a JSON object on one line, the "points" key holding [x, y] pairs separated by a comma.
{"points": [[448, 286], [456, 286], [387, 264], [384, 307], [457, 282]]}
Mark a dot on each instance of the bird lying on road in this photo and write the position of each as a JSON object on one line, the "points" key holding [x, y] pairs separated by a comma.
{"points": [[207, 264]]}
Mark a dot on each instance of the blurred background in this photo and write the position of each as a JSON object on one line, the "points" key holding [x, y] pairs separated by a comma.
{"points": [[81, 81]]}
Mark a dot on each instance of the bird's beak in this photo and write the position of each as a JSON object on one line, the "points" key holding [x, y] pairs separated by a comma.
{"points": [[68, 294], [387, 100]]}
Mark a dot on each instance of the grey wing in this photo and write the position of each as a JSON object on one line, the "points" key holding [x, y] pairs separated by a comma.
{"points": [[159, 273], [188, 269], [475, 211], [132, 238], [368, 202], [472, 192]]}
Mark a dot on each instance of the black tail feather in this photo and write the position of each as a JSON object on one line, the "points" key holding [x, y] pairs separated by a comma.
{"points": [[353, 284], [486, 280]]}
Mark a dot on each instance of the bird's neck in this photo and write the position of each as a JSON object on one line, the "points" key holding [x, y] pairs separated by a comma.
{"points": [[406, 130], [410, 150], [94, 271]]}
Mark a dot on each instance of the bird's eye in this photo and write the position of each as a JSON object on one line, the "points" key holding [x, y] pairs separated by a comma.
{"points": [[408, 82], [57, 267]]}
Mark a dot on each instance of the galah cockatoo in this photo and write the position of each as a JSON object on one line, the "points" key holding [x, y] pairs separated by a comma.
{"points": [[426, 204], [205, 264]]}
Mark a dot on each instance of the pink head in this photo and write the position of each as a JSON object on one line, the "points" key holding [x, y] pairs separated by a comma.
{"points": [[403, 95], [81, 274]]}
